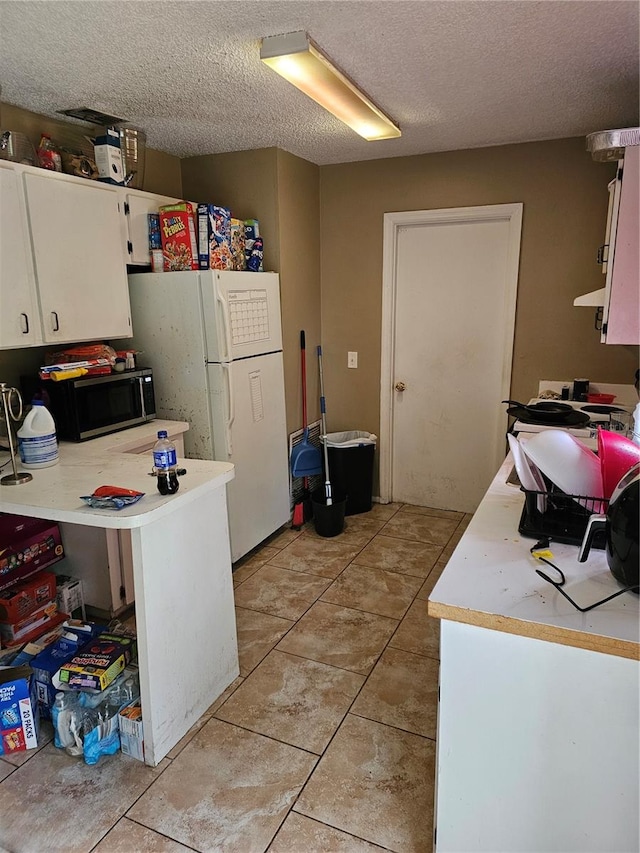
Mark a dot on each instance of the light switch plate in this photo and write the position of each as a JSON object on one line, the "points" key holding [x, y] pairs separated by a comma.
{"points": [[352, 359]]}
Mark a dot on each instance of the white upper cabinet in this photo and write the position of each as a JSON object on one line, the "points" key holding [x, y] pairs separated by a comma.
{"points": [[135, 207], [19, 311], [63, 273], [621, 316], [619, 299]]}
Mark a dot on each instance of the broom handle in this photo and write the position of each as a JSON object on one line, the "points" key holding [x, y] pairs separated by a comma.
{"points": [[303, 364], [323, 412], [303, 361]]}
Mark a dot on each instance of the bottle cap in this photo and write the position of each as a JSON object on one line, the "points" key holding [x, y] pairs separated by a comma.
{"points": [[36, 402], [162, 433]]}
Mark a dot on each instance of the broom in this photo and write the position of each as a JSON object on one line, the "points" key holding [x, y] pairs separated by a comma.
{"points": [[303, 510]]}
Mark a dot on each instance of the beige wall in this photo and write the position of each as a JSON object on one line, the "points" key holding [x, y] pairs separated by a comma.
{"points": [[282, 192], [565, 204]]}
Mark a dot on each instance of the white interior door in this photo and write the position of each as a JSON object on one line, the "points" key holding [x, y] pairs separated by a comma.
{"points": [[450, 295]]}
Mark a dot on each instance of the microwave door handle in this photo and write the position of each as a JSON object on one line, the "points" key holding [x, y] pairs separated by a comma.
{"points": [[226, 325], [143, 411], [231, 411]]}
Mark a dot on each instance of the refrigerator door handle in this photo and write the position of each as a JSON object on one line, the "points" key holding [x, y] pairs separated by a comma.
{"points": [[226, 324], [231, 412]]}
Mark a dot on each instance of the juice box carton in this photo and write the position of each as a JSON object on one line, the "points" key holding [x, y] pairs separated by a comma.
{"points": [[131, 731], [98, 662], [178, 235], [18, 601], [27, 545], [108, 157], [237, 245], [214, 237], [19, 715]]}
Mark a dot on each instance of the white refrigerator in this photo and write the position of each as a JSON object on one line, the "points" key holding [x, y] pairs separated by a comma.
{"points": [[214, 341]]}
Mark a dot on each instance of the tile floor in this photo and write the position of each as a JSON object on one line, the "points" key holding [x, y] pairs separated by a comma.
{"points": [[326, 741]]}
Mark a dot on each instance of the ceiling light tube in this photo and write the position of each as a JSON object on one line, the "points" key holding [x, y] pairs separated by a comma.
{"points": [[296, 58]]}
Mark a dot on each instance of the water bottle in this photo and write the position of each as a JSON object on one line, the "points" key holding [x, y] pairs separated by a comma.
{"points": [[37, 441], [164, 462]]}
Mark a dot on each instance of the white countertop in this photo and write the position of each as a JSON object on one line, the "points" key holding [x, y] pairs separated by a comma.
{"points": [[490, 581], [54, 493]]}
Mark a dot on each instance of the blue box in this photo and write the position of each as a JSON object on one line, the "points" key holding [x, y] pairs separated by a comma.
{"points": [[19, 713], [214, 237], [46, 664]]}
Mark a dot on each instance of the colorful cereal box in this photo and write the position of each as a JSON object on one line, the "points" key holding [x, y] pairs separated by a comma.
{"points": [[178, 234], [214, 237], [237, 245]]}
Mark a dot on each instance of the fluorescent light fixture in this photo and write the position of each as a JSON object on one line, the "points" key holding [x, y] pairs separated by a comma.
{"points": [[296, 58]]}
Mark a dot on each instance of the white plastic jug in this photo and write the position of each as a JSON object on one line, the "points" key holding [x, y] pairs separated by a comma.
{"points": [[37, 441]]}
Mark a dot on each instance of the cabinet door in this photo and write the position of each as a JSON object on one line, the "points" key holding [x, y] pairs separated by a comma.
{"points": [[79, 262], [137, 206], [19, 316], [621, 319]]}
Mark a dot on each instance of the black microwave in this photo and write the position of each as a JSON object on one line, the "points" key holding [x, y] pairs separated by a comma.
{"points": [[91, 406]]}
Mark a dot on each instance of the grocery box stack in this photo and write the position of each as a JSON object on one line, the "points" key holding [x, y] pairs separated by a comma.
{"points": [[190, 236], [78, 674], [28, 593]]}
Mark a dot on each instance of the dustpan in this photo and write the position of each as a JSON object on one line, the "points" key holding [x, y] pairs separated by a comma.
{"points": [[306, 460]]}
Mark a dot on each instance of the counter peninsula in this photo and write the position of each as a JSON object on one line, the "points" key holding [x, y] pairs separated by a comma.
{"points": [[184, 608]]}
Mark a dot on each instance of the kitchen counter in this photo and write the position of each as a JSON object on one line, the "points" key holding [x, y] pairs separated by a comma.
{"points": [[54, 492], [181, 565], [490, 581], [538, 736]]}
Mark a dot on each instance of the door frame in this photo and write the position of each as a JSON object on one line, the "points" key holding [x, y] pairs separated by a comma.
{"points": [[512, 213]]}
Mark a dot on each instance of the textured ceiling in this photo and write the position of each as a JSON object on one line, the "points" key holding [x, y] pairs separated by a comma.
{"points": [[453, 73]]}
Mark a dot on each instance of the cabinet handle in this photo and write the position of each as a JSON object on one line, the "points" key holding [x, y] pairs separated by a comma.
{"points": [[597, 323], [55, 325], [25, 325]]}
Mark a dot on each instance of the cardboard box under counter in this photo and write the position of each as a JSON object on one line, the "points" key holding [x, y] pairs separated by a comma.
{"points": [[27, 545], [19, 714]]}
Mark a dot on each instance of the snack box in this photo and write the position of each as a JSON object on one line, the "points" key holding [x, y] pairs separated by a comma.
{"points": [[214, 237], [19, 714], [27, 545], [18, 601], [29, 628], [98, 662], [251, 233], [131, 732], [178, 234]]}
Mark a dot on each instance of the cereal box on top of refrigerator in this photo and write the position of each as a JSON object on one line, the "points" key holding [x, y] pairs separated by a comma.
{"points": [[214, 237], [178, 234], [237, 245]]}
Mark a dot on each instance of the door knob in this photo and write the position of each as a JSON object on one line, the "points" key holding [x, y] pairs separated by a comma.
{"points": [[400, 386]]}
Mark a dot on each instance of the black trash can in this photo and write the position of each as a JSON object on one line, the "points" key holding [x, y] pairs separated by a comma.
{"points": [[351, 455]]}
